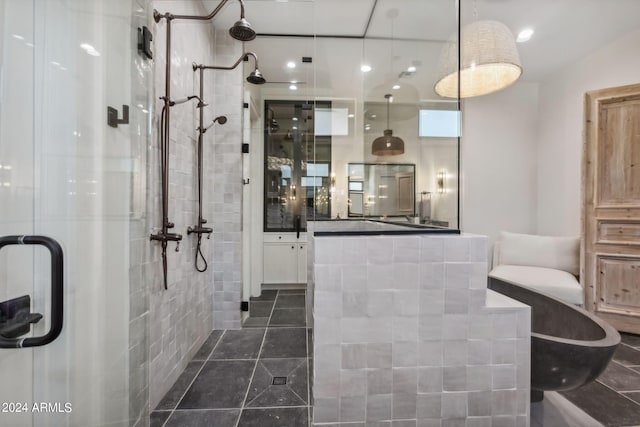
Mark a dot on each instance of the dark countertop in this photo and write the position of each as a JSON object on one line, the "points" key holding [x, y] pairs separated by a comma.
{"points": [[371, 227]]}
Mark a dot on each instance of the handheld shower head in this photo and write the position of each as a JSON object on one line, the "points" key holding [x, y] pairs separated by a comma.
{"points": [[242, 31], [220, 119], [256, 78]]}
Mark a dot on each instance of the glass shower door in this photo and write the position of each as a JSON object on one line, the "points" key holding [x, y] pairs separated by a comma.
{"points": [[66, 175]]}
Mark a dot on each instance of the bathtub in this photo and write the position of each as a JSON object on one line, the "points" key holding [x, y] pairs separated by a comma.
{"points": [[569, 346]]}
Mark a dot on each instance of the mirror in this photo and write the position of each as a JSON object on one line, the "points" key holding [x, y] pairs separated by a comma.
{"points": [[378, 189]]}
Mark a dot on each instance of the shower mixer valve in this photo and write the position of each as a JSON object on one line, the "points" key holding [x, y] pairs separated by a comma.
{"points": [[200, 230], [168, 237]]}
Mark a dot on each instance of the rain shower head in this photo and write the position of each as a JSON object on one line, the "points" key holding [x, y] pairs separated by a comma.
{"points": [[256, 78], [242, 31]]}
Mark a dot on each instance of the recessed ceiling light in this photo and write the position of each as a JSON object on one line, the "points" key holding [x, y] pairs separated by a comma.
{"points": [[293, 87], [373, 116], [351, 116], [365, 68], [17, 36], [395, 87], [412, 69], [291, 64], [295, 119], [524, 35]]}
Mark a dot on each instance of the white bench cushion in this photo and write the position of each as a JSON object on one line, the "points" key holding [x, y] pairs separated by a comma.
{"points": [[561, 253], [557, 283]]}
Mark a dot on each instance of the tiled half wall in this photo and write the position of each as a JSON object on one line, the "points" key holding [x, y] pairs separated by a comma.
{"points": [[406, 331]]}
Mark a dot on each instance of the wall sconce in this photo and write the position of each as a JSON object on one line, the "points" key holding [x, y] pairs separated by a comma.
{"points": [[293, 192], [440, 178], [333, 182]]}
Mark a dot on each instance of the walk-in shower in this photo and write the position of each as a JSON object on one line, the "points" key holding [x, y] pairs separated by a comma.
{"points": [[254, 77], [199, 228], [242, 31]]}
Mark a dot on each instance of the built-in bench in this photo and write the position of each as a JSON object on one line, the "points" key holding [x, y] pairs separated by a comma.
{"points": [[543, 263]]}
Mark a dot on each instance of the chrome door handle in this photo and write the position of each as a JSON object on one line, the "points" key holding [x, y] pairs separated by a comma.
{"points": [[57, 291]]}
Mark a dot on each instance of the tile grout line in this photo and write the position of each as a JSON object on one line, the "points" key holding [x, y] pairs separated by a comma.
{"points": [[255, 366], [617, 392], [194, 377]]}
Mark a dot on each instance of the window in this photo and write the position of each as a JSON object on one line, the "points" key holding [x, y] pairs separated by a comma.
{"points": [[439, 123]]}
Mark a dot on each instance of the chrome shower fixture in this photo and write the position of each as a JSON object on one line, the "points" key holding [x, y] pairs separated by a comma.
{"points": [[255, 77], [241, 30]]}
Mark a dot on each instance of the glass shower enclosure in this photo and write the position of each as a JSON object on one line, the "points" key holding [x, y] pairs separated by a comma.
{"points": [[70, 178]]}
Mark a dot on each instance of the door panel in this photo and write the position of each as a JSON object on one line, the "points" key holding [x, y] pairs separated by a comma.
{"points": [[67, 175], [16, 190], [611, 211], [617, 284]]}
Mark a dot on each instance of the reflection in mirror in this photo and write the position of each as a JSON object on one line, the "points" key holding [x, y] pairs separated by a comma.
{"points": [[297, 167], [384, 190]]}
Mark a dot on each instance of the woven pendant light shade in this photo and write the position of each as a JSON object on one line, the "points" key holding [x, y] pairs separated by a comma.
{"points": [[387, 145], [489, 61]]}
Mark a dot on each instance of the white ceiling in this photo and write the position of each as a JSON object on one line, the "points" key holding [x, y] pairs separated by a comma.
{"points": [[565, 30]]}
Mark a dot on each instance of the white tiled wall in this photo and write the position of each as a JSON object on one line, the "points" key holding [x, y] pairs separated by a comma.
{"points": [[405, 332], [181, 317], [226, 182]]}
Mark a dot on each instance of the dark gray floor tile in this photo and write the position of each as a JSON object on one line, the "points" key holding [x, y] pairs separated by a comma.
{"points": [[260, 308], [284, 342], [220, 384], [310, 341], [274, 417], [239, 344], [630, 339], [291, 291], [209, 344], [620, 378], [158, 418], [173, 396], [288, 317], [256, 322], [605, 405], [268, 295], [635, 396], [263, 393], [204, 418], [627, 356], [290, 301]]}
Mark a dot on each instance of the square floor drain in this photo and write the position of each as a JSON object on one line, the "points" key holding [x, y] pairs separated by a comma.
{"points": [[279, 380]]}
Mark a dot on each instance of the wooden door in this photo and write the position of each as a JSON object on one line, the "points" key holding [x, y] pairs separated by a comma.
{"points": [[611, 206]]}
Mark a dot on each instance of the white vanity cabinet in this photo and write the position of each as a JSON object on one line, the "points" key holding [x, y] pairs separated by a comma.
{"points": [[284, 258]]}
